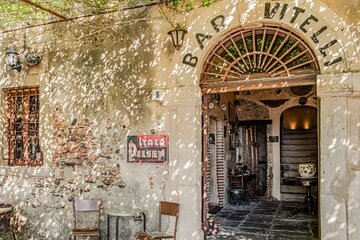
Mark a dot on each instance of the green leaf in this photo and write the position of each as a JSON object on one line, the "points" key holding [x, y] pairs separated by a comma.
{"points": [[176, 2], [206, 3], [189, 5]]}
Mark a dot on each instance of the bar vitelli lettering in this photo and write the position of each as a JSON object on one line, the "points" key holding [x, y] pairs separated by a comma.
{"points": [[275, 11]]}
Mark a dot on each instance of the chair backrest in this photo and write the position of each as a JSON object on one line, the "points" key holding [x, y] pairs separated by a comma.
{"points": [[86, 205], [170, 209]]}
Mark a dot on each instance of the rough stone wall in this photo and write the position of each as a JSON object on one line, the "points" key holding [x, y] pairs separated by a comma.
{"points": [[95, 82], [73, 143]]}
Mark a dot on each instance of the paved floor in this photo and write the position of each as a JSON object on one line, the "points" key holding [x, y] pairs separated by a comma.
{"points": [[264, 220]]}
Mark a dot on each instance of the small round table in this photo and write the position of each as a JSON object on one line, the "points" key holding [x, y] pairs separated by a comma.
{"points": [[308, 182], [123, 212]]}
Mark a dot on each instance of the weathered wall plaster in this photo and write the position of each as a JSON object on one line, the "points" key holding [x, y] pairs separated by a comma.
{"points": [[339, 151], [97, 81]]}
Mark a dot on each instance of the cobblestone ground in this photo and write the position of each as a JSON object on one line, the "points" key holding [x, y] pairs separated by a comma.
{"points": [[265, 220]]}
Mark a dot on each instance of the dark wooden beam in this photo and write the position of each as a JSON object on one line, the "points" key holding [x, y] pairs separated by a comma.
{"points": [[36, 5], [254, 122], [259, 84]]}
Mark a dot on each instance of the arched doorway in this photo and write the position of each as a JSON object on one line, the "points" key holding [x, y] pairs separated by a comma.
{"points": [[247, 71]]}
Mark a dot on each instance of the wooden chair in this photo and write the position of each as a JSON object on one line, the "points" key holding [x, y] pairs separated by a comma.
{"points": [[167, 209], [86, 206], [6, 231]]}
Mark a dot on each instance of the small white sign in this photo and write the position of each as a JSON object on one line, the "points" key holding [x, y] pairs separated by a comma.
{"points": [[158, 94], [159, 124]]}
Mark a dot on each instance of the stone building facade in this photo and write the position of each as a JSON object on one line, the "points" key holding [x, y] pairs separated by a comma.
{"points": [[96, 80]]}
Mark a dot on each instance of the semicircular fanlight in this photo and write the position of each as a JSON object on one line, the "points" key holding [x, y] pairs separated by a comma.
{"points": [[268, 51]]}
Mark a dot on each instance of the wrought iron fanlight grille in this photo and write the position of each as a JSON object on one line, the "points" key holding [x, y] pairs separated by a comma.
{"points": [[267, 51]]}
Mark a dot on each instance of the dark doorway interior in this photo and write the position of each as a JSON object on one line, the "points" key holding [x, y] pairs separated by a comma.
{"points": [[298, 146], [240, 155], [253, 154]]}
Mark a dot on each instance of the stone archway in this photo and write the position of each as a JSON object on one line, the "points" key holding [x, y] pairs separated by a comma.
{"points": [[328, 35], [251, 57], [262, 57]]}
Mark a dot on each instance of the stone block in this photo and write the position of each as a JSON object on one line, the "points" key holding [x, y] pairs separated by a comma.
{"points": [[355, 78], [333, 217], [354, 133], [334, 84], [353, 205], [333, 155]]}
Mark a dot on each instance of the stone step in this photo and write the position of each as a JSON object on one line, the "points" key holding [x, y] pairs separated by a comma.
{"points": [[293, 189], [297, 160], [309, 154], [299, 136], [293, 197], [309, 141], [299, 131], [298, 147]]}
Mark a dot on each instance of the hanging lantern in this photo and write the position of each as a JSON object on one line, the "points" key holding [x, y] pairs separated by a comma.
{"points": [[177, 36], [13, 59]]}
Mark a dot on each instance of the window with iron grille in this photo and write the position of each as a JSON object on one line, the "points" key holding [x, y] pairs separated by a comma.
{"points": [[23, 107]]}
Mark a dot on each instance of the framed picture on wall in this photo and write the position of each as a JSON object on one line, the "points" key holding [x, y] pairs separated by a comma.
{"points": [[232, 113]]}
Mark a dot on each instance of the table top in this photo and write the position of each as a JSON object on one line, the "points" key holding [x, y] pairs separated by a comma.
{"points": [[307, 178], [123, 211], [5, 209]]}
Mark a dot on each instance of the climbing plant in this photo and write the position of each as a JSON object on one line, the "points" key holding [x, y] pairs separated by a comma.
{"points": [[189, 4], [16, 13]]}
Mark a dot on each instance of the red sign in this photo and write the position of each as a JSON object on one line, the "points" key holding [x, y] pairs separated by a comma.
{"points": [[148, 148]]}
